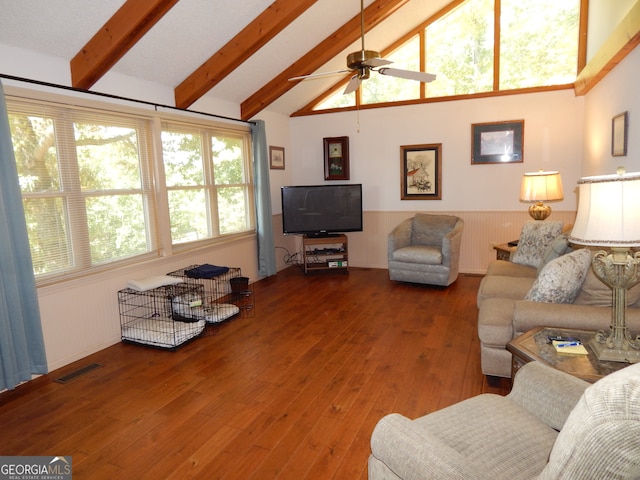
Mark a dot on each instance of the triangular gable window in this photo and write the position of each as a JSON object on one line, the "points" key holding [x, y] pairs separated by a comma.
{"points": [[538, 47]]}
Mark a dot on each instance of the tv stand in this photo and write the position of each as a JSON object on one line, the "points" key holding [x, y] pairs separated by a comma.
{"points": [[329, 252]]}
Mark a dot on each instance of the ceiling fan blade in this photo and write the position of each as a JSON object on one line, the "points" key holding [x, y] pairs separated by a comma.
{"points": [[353, 85], [319, 75], [377, 62], [408, 74]]}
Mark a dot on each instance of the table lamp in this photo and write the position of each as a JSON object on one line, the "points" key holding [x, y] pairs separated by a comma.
{"points": [[538, 187], [609, 216]]}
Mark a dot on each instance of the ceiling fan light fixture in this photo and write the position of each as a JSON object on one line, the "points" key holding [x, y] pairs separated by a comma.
{"points": [[356, 59]]}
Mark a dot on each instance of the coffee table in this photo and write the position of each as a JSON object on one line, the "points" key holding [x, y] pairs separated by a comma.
{"points": [[534, 346]]}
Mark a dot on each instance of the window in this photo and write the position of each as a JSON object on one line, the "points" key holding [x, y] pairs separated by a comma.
{"points": [[89, 192], [538, 47], [539, 43], [83, 183], [459, 50], [381, 88], [207, 182]]}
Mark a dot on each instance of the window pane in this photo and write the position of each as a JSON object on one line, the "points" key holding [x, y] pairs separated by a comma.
{"points": [[459, 50], [337, 100], [182, 154], [232, 209], [188, 213], [116, 227], [382, 88], [48, 238], [228, 165], [34, 146], [539, 43], [108, 157]]}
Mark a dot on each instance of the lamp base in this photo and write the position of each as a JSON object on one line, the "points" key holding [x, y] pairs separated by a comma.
{"points": [[539, 211], [607, 354]]}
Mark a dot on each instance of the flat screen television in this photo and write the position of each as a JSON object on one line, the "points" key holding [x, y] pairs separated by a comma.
{"points": [[321, 210]]}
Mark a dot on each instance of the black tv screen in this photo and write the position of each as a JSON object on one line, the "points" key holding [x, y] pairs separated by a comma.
{"points": [[321, 209]]}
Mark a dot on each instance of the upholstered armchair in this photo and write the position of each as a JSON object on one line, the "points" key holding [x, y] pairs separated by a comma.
{"points": [[425, 249], [551, 426]]}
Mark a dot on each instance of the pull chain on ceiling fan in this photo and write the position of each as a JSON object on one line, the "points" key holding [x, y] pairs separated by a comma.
{"points": [[363, 62]]}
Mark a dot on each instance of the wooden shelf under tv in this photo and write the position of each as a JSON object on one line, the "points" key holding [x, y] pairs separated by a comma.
{"points": [[329, 252]]}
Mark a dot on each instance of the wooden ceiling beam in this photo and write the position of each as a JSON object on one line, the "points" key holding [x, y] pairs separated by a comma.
{"points": [[318, 56], [253, 37], [132, 20], [620, 43]]}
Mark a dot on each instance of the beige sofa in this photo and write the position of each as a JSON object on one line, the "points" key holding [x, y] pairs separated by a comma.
{"points": [[551, 426], [504, 313]]}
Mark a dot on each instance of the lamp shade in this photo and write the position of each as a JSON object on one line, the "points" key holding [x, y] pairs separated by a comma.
{"points": [[608, 211], [541, 187]]}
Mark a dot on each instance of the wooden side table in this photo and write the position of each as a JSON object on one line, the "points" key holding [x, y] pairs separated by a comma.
{"points": [[504, 251], [534, 346]]}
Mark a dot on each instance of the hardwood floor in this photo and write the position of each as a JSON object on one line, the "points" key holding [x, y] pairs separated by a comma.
{"points": [[292, 393]]}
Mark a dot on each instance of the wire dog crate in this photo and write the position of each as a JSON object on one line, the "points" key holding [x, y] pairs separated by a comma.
{"points": [[164, 317], [226, 295]]}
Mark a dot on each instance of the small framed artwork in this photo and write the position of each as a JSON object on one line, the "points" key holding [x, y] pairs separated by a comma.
{"points": [[276, 158], [336, 158], [619, 129], [421, 172], [497, 142]]}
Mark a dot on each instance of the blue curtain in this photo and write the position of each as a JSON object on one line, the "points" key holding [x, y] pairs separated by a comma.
{"points": [[264, 225], [22, 350]]}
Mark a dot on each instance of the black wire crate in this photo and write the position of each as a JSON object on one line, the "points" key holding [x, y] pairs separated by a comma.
{"points": [[227, 293], [165, 317]]}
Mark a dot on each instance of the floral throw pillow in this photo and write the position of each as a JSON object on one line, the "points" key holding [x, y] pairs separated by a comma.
{"points": [[560, 279], [533, 241]]}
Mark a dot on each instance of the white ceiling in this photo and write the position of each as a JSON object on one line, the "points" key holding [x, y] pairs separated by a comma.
{"points": [[195, 29]]}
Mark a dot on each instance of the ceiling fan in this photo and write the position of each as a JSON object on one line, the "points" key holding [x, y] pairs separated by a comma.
{"points": [[363, 62]]}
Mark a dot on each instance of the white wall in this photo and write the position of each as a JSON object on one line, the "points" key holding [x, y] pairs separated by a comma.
{"points": [[552, 141], [616, 93]]}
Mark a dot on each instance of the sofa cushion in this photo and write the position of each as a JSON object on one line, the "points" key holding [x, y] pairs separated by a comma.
{"points": [[497, 286], [419, 254], [561, 279], [595, 292], [505, 268], [430, 229], [601, 437], [533, 241], [559, 246]]}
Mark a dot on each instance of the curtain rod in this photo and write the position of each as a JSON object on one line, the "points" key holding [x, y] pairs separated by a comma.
{"points": [[117, 97]]}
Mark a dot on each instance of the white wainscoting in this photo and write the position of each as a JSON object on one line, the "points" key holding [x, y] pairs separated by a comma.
{"points": [[482, 230]]}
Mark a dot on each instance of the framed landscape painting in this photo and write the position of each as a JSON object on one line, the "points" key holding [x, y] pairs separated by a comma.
{"points": [[497, 142]]}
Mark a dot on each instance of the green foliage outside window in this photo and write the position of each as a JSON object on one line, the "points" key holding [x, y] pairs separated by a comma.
{"points": [[380, 88], [207, 187], [86, 182], [459, 50], [539, 42]]}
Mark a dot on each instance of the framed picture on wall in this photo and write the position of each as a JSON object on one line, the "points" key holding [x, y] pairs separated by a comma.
{"points": [[421, 172], [619, 128], [336, 158], [276, 158], [497, 142]]}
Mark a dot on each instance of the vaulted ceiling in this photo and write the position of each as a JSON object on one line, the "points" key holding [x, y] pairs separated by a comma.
{"points": [[242, 51]]}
